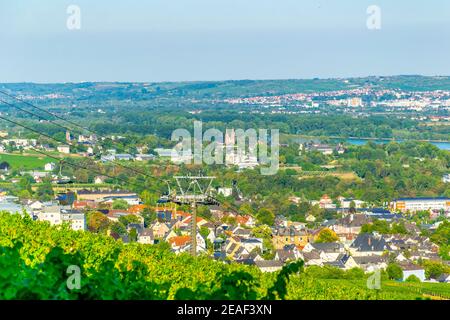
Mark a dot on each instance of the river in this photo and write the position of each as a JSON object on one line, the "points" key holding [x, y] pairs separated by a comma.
{"points": [[360, 142]]}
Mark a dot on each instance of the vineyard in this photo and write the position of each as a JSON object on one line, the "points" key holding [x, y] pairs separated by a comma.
{"points": [[35, 257]]}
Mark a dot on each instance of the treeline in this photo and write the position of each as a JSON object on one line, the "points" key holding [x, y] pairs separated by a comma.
{"points": [[163, 121]]}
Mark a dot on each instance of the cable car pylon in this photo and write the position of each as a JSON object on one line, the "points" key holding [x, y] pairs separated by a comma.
{"points": [[193, 190]]}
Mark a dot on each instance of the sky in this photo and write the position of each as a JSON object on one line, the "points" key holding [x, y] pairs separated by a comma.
{"points": [[190, 40]]}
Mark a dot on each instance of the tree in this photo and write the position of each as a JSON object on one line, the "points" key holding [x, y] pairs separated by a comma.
{"points": [[133, 235], [204, 232], [45, 191], [120, 204], [394, 271], [149, 198], [352, 206], [97, 222], [262, 231], [246, 208], [399, 228], [118, 228], [24, 194], [25, 183], [265, 216], [128, 219], [327, 235], [442, 234], [149, 216], [434, 269], [204, 212]]}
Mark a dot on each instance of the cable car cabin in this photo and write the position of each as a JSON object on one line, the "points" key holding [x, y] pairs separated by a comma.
{"points": [[163, 199], [218, 245], [219, 255]]}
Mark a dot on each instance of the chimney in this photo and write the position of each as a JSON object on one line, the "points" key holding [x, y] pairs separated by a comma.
{"points": [[370, 241]]}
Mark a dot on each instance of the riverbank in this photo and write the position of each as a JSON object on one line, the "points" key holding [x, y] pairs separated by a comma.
{"points": [[441, 144]]}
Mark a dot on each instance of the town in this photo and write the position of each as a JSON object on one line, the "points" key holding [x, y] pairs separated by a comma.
{"points": [[345, 210], [359, 236]]}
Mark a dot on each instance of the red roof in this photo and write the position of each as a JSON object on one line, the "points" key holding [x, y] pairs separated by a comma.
{"points": [[179, 241], [84, 204], [188, 219], [138, 208], [242, 219]]}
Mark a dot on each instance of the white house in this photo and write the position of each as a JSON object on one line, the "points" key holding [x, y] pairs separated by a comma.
{"points": [[345, 203], [56, 216], [100, 179], [411, 269], [76, 219], [146, 237], [251, 243], [51, 214], [446, 178], [144, 157], [421, 204], [226, 192], [269, 265], [36, 205], [50, 166], [64, 149]]}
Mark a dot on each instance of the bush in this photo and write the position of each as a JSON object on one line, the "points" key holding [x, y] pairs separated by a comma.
{"points": [[413, 278]]}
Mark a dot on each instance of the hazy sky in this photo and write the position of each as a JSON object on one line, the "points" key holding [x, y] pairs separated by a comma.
{"points": [[171, 40]]}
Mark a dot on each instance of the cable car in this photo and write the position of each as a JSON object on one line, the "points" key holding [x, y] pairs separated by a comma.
{"points": [[163, 199]]}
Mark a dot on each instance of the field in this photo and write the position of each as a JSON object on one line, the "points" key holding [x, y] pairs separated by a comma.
{"points": [[307, 288], [341, 175], [25, 162]]}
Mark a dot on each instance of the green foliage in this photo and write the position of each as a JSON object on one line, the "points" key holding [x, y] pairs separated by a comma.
{"points": [[394, 271], [120, 204], [433, 269], [326, 235], [442, 234], [34, 251], [45, 191], [34, 261], [279, 289], [149, 216], [383, 227], [413, 278], [133, 235], [129, 219], [118, 228], [204, 212], [265, 216], [97, 222], [204, 232]]}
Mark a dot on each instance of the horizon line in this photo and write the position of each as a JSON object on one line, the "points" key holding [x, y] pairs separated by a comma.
{"points": [[227, 80]]}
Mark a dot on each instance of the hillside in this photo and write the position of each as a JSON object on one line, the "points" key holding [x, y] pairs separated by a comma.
{"points": [[34, 259]]}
